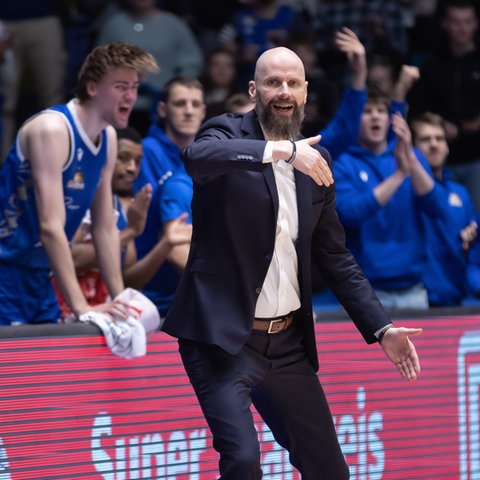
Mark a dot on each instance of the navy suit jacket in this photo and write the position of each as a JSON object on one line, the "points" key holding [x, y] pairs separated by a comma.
{"points": [[234, 212]]}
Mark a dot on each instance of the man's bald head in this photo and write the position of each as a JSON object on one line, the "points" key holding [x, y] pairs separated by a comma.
{"points": [[279, 57]]}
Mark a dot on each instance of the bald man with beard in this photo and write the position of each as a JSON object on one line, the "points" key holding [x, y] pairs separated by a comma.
{"points": [[263, 209]]}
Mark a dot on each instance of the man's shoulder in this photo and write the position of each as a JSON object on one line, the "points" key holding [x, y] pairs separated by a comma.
{"points": [[224, 118], [48, 126]]}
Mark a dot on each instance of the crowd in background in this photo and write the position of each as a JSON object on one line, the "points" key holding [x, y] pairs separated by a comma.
{"points": [[404, 234], [51, 39]]}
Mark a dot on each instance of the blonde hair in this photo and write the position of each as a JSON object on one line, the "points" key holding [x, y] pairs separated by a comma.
{"points": [[114, 55]]}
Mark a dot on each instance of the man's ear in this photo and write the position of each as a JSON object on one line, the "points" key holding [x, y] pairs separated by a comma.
{"points": [[252, 91], [91, 88], [161, 109]]}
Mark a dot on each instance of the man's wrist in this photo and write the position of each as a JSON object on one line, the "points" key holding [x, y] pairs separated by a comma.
{"points": [[381, 333], [127, 235], [294, 152], [282, 150]]}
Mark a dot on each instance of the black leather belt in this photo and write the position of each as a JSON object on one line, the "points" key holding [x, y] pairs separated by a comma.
{"points": [[273, 325]]}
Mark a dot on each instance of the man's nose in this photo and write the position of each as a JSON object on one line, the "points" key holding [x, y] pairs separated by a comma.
{"points": [[189, 108], [131, 94], [131, 165], [283, 89]]}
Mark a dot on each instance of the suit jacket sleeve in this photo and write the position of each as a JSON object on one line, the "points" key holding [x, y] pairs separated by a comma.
{"points": [[343, 274], [220, 147]]}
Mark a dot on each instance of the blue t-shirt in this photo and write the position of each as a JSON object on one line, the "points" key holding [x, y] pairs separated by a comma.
{"points": [[170, 199]]}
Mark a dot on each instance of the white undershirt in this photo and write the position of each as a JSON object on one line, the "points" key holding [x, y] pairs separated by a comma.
{"points": [[280, 293]]}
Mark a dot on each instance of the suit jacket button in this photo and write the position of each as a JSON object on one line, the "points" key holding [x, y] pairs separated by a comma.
{"points": [[258, 290]]}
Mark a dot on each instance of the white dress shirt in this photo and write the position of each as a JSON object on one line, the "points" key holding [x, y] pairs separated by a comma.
{"points": [[280, 293]]}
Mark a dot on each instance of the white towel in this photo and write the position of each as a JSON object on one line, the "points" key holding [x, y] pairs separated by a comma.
{"points": [[127, 338]]}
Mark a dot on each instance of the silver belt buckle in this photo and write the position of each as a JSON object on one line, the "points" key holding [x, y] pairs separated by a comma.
{"points": [[275, 321]]}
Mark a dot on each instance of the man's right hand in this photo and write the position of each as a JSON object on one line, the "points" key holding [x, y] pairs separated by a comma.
{"points": [[310, 162]]}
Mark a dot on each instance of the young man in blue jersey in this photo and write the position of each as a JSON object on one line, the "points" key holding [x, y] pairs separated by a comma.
{"points": [[130, 210], [181, 112], [447, 237], [383, 189], [60, 165]]}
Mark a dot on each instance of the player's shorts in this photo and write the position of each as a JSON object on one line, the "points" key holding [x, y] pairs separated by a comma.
{"points": [[26, 296]]}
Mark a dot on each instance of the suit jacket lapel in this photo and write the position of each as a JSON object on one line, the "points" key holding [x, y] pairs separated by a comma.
{"points": [[252, 129], [303, 185]]}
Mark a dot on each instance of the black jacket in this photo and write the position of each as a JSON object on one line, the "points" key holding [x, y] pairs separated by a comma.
{"points": [[234, 211]]}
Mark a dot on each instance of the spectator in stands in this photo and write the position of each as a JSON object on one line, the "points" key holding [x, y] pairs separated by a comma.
{"points": [[450, 86], [338, 137], [131, 213], [256, 26], [167, 38], [219, 80], [37, 36], [445, 272], [181, 111], [171, 201], [382, 189], [60, 165]]}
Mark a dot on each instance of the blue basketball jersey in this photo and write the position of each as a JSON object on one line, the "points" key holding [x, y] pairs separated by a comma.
{"points": [[19, 227]]}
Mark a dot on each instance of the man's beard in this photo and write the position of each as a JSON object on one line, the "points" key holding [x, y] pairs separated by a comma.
{"points": [[279, 127]]}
